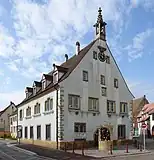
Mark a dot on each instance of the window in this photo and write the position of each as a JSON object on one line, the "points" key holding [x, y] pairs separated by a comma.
{"points": [[26, 94], [55, 78], [79, 127], [116, 83], [43, 84], [48, 105], [108, 59], [38, 132], [37, 108], [121, 131], [104, 92], [111, 106], [20, 114], [153, 116], [26, 132], [85, 76], [28, 112], [95, 55], [74, 102], [102, 79], [93, 104], [34, 90], [48, 132], [123, 107], [31, 131]]}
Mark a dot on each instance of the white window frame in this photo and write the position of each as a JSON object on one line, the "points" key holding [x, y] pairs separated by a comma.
{"points": [[48, 105], [34, 90], [43, 84], [111, 106], [37, 108], [123, 107], [73, 101], [28, 111], [102, 79], [116, 85], [85, 76], [93, 104]]}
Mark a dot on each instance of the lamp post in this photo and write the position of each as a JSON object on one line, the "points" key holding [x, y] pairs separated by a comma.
{"points": [[57, 88]]}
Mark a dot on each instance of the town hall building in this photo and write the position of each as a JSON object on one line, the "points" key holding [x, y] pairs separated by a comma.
{"points": [[76, 98]]}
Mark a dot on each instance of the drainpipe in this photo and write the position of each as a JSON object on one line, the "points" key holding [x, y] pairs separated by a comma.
{"points": [[57, 88], [17, 125]]}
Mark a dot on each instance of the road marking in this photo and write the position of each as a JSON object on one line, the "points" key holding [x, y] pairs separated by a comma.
{"points": [[6, 155]]}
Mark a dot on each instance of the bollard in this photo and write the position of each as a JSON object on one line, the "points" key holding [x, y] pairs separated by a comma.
{"points": [[111, 149], [126, 147], [65, 146], [140, 147], [73, 146], [137, 145], [83, 148]]}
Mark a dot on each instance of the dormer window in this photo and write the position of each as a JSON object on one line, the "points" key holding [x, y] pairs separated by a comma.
{"points": [[43, 84], [34, 90], [55, 78], [26, 94]]}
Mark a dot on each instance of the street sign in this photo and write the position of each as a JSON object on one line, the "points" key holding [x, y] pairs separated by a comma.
{"points": [[144, 126], [19, 127]]}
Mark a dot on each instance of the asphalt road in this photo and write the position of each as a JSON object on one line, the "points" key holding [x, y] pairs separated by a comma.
{"points": [[9, 153]]}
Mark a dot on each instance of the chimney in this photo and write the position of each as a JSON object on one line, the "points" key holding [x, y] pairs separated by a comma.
{"points": [[77, 47], [66, 57], [54, 66]]}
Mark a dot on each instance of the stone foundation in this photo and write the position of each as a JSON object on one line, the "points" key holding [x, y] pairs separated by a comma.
{"points": [[70, 145]]}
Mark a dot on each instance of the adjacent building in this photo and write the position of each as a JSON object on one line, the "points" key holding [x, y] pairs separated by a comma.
{"points": [[138, 105], [146, 117], [72, 101], [13, 124], [5, 119]]}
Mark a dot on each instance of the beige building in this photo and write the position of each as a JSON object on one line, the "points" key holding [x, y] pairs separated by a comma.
{"points": [[5, 118]]}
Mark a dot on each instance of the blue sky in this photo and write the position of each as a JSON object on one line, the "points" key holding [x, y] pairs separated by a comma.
{"points": [[34, 34]]}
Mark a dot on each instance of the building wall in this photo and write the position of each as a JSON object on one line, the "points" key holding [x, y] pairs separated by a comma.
{"points": [[6, 117], [74, 84], [41, 119], [13, 125]]}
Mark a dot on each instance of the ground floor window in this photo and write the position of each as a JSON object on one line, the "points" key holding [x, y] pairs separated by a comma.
{"points": [[79, 127], [48, 132], [31, 131], [39, 132], [121, 131], [25, 132]]}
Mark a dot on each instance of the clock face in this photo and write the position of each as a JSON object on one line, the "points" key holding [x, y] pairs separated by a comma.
{"points": [[101, 57]]}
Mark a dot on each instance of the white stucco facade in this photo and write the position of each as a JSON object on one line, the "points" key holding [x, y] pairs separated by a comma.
{"points": [[84, 102], [39, 119], [75, 85]]}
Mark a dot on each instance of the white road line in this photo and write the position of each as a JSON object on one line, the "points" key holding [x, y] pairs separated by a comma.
{"points": [[6, 155]]}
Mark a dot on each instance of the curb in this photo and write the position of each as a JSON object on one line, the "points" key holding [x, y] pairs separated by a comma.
{"points": [[20, 149], [121, 155]]}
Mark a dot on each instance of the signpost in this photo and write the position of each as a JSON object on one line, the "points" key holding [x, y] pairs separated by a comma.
{"points": [[19, 134], [144, 127]]}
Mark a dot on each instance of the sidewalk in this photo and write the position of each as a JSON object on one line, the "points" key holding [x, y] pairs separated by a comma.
{"points": [[115, 153], [90, 154], [52, 153]]}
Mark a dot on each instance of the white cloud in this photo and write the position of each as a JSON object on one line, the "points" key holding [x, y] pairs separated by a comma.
{"points": [[135, 50], [14, 96], [12, 66]]}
